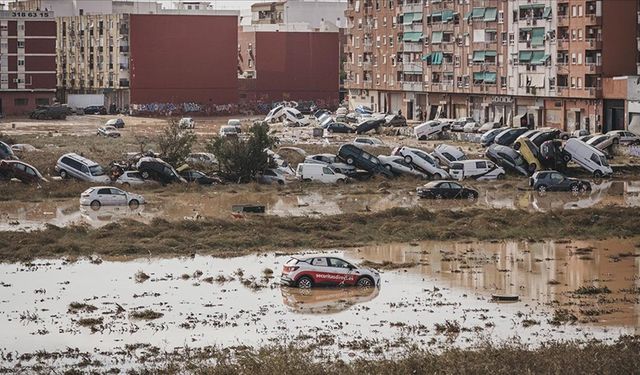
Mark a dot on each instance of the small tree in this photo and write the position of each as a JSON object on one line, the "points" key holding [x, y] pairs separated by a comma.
{"points": [[175, 144], [240, 159]]}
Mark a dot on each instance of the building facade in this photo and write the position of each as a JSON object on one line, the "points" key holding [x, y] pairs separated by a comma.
{"points": [[538, 62], [140, 59], [27, 61]]}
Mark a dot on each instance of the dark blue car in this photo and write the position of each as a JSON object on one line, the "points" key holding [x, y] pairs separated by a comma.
{"points": [[354, 155]]}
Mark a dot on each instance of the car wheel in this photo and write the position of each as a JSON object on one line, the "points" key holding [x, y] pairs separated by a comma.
{"points": [[125, 184], [471, 196], [280, 182], [516, 146], [134, 204], [305, 282], [575, 188], [408, 159], [597, 174], [365, 282], [340, 181], [306, 180], [542, 188], [388, 167], [437, 177], [95, 205], [565, 137], [350, 160], [566, 158], [438, 196], [501, 176], [145, 175], [616, 141]]}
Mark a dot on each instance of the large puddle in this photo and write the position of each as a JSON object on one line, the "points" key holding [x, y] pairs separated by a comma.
{"points": [[442, 296], [34, 215]]}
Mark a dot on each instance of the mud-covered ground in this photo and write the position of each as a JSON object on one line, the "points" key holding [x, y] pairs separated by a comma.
{"points": [[181, 286]]}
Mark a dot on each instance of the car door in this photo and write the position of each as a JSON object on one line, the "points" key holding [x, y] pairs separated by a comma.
{"points": [[557, 182], [341, 272], [455, 190], [104, 196], [118, 197]]}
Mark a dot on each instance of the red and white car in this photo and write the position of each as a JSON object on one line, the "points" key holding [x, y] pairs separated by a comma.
{"points": [[306, 272]]}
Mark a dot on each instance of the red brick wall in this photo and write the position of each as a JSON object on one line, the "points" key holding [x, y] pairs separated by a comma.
{"points": [[179, 59], [40, 63], [40, 46], [7, 102], [40, 28], [297, 66], [620, 48]]}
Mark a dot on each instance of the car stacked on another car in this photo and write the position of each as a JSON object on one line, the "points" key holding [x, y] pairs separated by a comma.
{"points": [[551, 180], [318, 270], [331, 161], [81, 168], [446, 190], [458, 125], [529, 152], [354, 155], [198, 177], [489, 137], [398, 165], [507, 158], [447, 154], [158, 170], [421, 160], [509, 135]]}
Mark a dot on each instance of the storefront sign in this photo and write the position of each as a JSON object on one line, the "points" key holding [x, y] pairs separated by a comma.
{"points": [[9, 14], [502, 99]]}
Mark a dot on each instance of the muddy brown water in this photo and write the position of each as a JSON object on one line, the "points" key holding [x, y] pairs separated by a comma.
{"points": [[449, 282], [34, 215]]}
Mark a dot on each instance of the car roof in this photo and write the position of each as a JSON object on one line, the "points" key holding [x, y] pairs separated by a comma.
{"points": [[79, 158]]}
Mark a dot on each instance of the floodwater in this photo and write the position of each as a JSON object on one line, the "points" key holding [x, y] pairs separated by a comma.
{"points": [[34, 215], [228, 302]]}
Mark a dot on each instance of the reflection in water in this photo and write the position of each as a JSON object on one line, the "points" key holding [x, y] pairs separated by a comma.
{"points": [[542, 272], [29, 216], [325, 300]]}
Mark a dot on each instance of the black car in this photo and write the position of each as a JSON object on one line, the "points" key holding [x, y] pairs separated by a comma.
{"points": [[198, 177], [339, 127], [368, 125], [354, 155], [395, 121], [544, 181], [6, 152], [49, 113], [158, 170], [488, 137], [508, 136], [95, 110], [553, 156], [446, 190], [507, 158], [545, 135]]}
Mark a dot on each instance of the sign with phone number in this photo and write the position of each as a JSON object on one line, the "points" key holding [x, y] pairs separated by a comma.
{"points": [[25, 14]]}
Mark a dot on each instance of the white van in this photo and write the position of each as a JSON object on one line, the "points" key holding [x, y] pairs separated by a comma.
{"points": [[478, 169], [319, 173], [429, 128], [588, 157]]}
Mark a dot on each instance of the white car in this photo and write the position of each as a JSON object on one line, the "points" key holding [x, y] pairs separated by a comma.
{"points": [[228, 131], [331, 161], [624, 137], [131, 178], [109, 196], [447, 154], [309, 271], [458, 125], [187, 123], [588, 157], [471, 127], [488, 126], [108, 131], [201, 158], [22, 148], [422, 160], [293, 117], [429, 128], [368, 141], [396, 164], [320, 173], [478, 169], [603, 141]]}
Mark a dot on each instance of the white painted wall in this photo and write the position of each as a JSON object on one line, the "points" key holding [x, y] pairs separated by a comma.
{"points": [[314, 12]]}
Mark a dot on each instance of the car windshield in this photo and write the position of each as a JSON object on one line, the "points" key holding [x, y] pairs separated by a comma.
{"points": [[299, 115], [457, 166], [96, 170], [402, 162], [603, 161]]}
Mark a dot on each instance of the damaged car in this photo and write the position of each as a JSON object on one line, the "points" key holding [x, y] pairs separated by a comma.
{"points": [[158, 170], [354, 155], [447, 154], [477, 169], [108, 131], [331, 161], [397, 165], [22, 171], [368, 125], [446, 190], [422, 160], [544, 181], [109, 196], [507, 158], [309, 271]]}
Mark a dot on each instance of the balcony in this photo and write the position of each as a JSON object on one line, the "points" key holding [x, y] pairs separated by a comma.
{"points": [[415, 67], [412, 86], [411, 47], [593, 68], [595, 43], [563, 20]]}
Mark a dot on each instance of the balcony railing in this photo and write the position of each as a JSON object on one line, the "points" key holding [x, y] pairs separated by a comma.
{"points": [[413, 86]]}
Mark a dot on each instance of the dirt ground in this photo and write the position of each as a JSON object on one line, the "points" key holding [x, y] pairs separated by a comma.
{"points": [[185, 279]]}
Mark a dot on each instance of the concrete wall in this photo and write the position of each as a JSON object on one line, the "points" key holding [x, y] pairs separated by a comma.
{"points": [[314, 12], [183, 59]]}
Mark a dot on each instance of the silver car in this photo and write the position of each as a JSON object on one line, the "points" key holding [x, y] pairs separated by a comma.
{"points": [[397, 165], [332, 161]]}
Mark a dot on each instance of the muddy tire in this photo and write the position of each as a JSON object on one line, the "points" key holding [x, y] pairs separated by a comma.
{"points": [[388, 167], [145, 175], [95, 205], [501, 176], [471, 197], [365, 282], [575, 189], [422, 138], [306, 180], [566, 158], [597, 174], [305, 282], [350, 160], [408, 159], [436, 177], [134, 204], [438, 196], [340, 181], [542, 189], [532, 168], [281, 182], [126, 184], [63, 174]]}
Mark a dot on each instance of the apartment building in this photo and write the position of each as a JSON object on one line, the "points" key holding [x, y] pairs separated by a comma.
{"points": [[538, 62], [27, 60]]}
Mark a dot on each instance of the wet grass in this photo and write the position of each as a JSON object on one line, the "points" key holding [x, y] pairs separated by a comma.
{"points": [[230, 237], [146, 314], [591, 289], [386, 265], [572, 358]]}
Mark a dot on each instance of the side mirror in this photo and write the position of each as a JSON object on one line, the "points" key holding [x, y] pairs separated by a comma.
{"points": [[351, 267]]}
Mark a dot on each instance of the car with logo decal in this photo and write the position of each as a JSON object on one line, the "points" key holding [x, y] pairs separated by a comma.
{"points": [[319, 270]]}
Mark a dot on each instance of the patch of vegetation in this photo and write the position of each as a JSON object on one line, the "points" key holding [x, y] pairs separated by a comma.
{"points": [[562, 316], [147, 314], [175, 143], [76, 307], [386, 265], [90, 322], [592, 289]]}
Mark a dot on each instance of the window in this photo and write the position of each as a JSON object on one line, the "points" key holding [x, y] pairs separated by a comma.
{"points": [[96, 170], [20, 101], [327, 170], [117, 191], [338, 263], [20, 62], [42, 101], [481, 164], [557, 177], [104, 191], [321, 262], [21, 44]]}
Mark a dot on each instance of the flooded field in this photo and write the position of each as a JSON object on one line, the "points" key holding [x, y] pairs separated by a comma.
{"points": [[35, 215], [432, 294]]}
